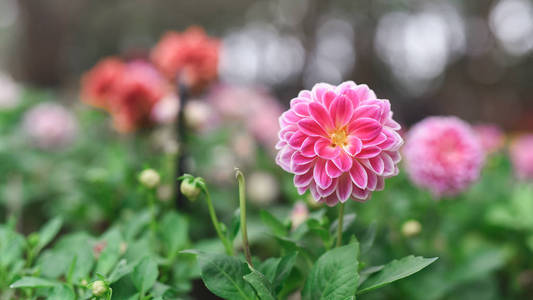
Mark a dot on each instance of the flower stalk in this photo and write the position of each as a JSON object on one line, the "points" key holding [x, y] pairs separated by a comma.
{"points": [[242, 204]]}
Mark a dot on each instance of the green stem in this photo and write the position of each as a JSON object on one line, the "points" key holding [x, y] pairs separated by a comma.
{"points": [[242, 205], [216, 224], [151, 204], [339, 227]]}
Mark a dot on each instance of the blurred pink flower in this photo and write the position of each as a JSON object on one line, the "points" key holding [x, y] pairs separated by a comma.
{"points": [[339, 142], [254, 106], [491, 137], [521, 151], [166, 110], [98, 84], [299, 214], [50, 126], [443, 154]]}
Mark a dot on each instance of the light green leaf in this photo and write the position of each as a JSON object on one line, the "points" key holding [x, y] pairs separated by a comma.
{"points": [[145, 274], [111, 252], [396, 270], [334, 275], [262, 286], [235, 225], [62, 292], [223, 276], [274, 224], [48, 232], [122, 269], [174, 230], [33, 282]]}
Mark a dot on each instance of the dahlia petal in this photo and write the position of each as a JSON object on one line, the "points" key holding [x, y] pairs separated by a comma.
{"points": [[308, 147], [378, 140], [332, 200], [332, 169], [365, 128], [381, 184], [280, 144], [359, 194], [385, 111], [314, 192], [301, 190], [368, 111], [329, 190], [300, 169], [303, 180], [392, 124], [369, 152], [354, 145], [388, 164], [359, 175], [305, 94], [341, 110], [298, 158], [395, 155], [328, 97], [310, 127], [284, 158], [319, 113], [319, 90], [344, 188], [324, 149], [290, 117], [376, 164], [363, 92], [372, 181], [301, 109], [343, 161], [297, 139], [319, 173]]}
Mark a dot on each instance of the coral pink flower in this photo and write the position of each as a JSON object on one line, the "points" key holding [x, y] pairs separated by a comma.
{"points": [[98, 84], [50, 126], [491, 137], [339, 142], [135, 95], [192, 55], [443, 154], [521, 151]]}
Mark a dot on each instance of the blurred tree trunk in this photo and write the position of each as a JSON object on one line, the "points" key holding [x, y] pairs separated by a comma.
{"points": [[44, 27]]}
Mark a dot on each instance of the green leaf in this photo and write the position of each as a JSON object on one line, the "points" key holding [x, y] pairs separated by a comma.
{"points": [[11, 246], [174, 230], [223, 276], [145, 274], [260, 283], [235, 225], [334, 275], [122, 269], [48, 232], [111, 252], [62, 292], [34, 282], [396, 270], [274, 224], [368, 239]]}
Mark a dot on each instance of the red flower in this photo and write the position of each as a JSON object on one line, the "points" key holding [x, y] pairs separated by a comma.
{"points": [[97, 85], [191, 55], [135, 94]]}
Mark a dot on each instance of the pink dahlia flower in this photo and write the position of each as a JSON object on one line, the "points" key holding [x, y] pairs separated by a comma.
{"points": [[522, 157], [340, 142], [443, 154], [50, 126], [491, 137]]}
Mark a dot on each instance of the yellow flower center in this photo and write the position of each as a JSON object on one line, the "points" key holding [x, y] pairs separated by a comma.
{"points": [[339, 137]]}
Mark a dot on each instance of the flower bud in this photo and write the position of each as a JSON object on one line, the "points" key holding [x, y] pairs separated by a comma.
{"points": [[190, 189], [149, 178], [411, 228], [99, 288]]}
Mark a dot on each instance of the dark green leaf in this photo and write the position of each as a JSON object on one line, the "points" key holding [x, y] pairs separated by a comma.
{"points": [[261, 285], [121, 269], [334, 275], [396, 270], [174, 230], [223, 275], [235, 225]]}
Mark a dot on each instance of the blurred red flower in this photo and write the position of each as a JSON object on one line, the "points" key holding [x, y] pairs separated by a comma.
{"points": [[192, 56], [135, 94], [97, 85]]}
